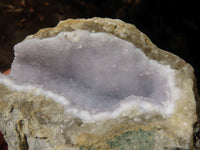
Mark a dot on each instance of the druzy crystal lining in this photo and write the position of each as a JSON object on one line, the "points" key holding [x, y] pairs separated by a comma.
{"points": [[94, 74]]}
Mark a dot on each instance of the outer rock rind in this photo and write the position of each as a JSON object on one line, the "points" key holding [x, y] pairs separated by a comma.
{"points": [[35, 122]]}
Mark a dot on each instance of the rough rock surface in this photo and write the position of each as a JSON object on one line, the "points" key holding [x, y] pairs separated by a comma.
{"points": [[36, 121]]}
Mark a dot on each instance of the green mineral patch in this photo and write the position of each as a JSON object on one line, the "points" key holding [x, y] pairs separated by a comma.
{"points": [[133, 140], [130, 140]]}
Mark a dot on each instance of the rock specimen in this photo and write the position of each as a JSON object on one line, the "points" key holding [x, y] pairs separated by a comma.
{"points": [[97, 84]]}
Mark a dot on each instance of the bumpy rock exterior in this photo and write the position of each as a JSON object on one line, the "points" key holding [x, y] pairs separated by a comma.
{"points": [[39, 123]]}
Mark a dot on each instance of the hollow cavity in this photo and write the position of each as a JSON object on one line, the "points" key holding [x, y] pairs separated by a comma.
{"points": [[95, 71]]}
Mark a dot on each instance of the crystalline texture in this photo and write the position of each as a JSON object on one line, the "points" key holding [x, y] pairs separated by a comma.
{"points": [[97, 83], [96, 71]]}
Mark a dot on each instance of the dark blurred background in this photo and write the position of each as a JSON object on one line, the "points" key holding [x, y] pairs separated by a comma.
{"points": [[172, 25]]}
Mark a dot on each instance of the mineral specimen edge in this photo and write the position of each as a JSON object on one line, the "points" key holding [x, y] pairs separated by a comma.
{"points": [[36, 118]]}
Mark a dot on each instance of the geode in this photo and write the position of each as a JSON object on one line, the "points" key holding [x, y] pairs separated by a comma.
{"points": [[97, 84]]}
